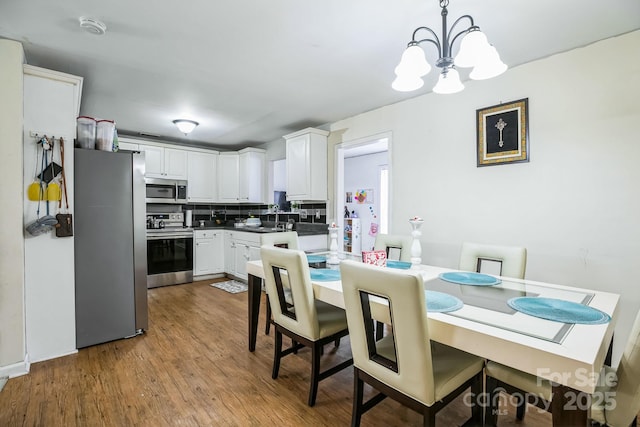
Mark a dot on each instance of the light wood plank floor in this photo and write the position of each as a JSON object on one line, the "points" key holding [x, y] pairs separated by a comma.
{"points": [[192, 368]]}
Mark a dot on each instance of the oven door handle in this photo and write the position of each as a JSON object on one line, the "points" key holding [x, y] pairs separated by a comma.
{"points": [[170, 236]]}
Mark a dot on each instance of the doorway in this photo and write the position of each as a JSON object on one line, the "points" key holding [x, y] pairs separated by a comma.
{"points": [[363, 173]]}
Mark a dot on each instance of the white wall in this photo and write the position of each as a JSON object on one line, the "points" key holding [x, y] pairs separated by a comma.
{"points": [[574, 206], [12, 329], [363, 172]]}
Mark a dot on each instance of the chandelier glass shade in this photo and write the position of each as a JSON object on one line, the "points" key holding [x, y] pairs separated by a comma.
{"points": [[185, 126], [474, 51]]}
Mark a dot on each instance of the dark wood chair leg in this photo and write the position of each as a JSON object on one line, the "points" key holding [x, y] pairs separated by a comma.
{"points": [[358, 392], [267, 326], [476, 409], [493, 405], [315, 372], [429, 418], [521, 409], [277, 354]]}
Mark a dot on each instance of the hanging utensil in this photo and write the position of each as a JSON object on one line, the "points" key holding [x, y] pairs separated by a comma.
{"points": [[64, 227], [34, 191], [46, 223]]}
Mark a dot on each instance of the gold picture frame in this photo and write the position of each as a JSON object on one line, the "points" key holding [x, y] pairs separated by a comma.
{"points": [[503, 133]]}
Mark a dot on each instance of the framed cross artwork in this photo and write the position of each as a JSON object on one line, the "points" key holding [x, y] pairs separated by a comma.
{"points": [[503, 133]]}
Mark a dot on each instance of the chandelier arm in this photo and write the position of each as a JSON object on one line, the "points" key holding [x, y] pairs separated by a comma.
{"points": [[472, 26], [435, 40]]}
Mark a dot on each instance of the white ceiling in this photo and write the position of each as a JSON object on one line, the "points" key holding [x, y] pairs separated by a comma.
{"points": [[252, 71]]}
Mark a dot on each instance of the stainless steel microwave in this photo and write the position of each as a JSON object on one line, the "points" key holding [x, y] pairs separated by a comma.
{"points": [[165, 190]]}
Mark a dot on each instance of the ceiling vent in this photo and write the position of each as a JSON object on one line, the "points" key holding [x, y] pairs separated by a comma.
{"points": [[92, 26]]}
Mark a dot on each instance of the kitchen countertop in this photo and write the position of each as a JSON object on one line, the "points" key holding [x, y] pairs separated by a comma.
{"points": [[301, 228]]}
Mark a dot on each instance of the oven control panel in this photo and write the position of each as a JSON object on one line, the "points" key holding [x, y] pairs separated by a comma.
{"points": [[165, 220]]}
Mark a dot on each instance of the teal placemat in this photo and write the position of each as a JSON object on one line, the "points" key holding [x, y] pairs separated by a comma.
{"points": [[402, 265], [469, 278], [324, 274], [315, 259], [559, 310], [439, 302]]}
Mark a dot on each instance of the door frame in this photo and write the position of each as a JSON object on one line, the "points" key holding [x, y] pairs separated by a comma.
{"points": [[339, 151]]}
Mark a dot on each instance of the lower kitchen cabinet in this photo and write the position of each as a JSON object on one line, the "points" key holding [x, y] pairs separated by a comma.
{"points": [[208, 252], [239, 248]]}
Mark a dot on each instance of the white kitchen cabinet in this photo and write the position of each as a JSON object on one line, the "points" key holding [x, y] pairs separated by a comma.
{"points": [[228, 177], [127, 144], [208, 252], [239, 248], [202, 177], [241, 176], [251, 175], [161, 162], [229, 253], [306, 162]]}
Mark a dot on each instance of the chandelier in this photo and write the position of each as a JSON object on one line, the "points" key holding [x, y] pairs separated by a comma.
{"points": [[474, 51]]}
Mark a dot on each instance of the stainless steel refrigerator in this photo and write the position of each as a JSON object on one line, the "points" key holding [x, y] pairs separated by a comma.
{"points": [[110, 245]]}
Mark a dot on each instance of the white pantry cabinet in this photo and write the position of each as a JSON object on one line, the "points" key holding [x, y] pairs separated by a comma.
{"points": [[161, 162], [208, 252], [50, 106], [306, 162], [202, 177]]}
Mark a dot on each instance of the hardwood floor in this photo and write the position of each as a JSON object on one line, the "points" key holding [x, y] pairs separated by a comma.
{"points": [[192, 368]]}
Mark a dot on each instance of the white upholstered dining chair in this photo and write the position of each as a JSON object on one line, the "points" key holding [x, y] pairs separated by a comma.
{"points": [[508, 261], [307, 321], [615, 403], [281, 239], [402, 365], [397, 247]]}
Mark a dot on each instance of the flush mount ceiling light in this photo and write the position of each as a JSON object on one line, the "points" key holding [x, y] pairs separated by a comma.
{"points": [[92, 26], [474, 51], [185, 126]]}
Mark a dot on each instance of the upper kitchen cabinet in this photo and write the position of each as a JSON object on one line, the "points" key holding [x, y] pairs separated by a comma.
{"points": [[202, 177], [164, 162], [125, 143], [241, 176], [228, 177], [251, 177], [306, 161]]}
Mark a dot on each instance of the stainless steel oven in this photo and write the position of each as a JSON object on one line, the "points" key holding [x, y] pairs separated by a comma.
{"points": [[169, 257]]}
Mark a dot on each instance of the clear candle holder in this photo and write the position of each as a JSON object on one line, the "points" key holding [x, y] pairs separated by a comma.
{"points": [[416, 248]]}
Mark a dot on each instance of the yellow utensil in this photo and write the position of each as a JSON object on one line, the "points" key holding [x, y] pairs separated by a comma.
{"points": [[35, 192], [53, 192]]}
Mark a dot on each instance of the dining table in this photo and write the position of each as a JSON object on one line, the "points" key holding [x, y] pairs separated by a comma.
{"points": [[570, 355]]}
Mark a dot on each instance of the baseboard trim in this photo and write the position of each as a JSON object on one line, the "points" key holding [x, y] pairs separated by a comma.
{"points": [[16, 369]]}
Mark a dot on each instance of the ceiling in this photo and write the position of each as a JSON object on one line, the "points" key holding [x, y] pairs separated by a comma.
{"points": [[252, 71]]}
